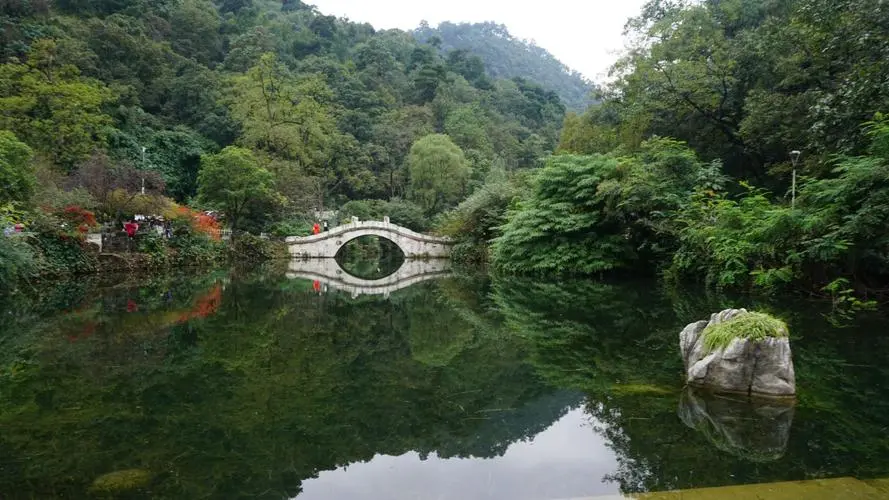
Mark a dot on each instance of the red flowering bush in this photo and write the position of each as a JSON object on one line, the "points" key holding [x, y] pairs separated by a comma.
{"points": [[197, 221], [78, 220]]}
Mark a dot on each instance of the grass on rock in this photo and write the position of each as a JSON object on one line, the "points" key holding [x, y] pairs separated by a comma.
{"points": [[753, 326]]}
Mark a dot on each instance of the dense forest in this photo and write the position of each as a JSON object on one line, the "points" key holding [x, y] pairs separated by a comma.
{"points": [[265, 111], [506, 56], [741, 144]]}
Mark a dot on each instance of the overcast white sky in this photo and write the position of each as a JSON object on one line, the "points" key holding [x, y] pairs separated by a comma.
{"points": [[584, 34]]}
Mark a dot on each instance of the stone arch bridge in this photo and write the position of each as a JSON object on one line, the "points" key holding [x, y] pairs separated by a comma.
{"points": [[414, 245]]}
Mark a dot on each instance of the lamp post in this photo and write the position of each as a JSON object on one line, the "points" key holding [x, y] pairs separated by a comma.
{"points": [[794, 157], [143, 168]]}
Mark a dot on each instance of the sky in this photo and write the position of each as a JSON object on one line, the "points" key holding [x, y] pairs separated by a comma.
{"points": [[584, 34]]}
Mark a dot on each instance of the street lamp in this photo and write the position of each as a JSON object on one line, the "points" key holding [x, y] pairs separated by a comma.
{"points": [[143, 168], [794, 157]]}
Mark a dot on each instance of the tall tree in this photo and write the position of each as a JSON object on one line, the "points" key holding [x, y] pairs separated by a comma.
{"points": [[232, 181], [438, 173], [282, 114]]}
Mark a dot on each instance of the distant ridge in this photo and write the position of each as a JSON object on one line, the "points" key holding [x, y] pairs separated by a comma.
{"points": [[506, 56]]}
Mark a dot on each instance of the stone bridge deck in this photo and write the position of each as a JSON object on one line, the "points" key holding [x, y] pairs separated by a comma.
{"points": [[326, 245]]}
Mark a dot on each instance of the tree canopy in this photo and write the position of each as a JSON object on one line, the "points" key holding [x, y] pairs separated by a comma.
{"points": [[232, 181], [329, 107], [438, 172]]}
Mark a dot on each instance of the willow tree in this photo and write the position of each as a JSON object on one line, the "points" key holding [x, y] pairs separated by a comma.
{"points": [[438, 173]]}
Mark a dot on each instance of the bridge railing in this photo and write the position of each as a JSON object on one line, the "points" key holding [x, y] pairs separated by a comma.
{"points": [[355, 224]]}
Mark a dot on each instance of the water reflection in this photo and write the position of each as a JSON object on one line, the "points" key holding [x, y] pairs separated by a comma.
{"points": [[328, 274], [753, 429], [566, 460], [370, 257], [253, 385]]}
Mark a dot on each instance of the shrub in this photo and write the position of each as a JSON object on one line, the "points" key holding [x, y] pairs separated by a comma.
{"points": [[249, 248], [153, 245], [187, 220], [293, 227], [76, 221], [477, 220], [738, 243], [588, 214], [195, 249]]}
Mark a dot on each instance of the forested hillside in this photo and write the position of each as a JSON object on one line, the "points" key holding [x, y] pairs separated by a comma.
{"points": [[687, 166], [506, 56], [265, 111], [323, 103]]}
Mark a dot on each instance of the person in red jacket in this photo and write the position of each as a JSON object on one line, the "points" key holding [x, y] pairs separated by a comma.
{"points": [[131, 228], [316, 228]]}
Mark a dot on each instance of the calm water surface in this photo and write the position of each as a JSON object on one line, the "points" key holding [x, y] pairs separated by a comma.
{"points": [[247, 384]]}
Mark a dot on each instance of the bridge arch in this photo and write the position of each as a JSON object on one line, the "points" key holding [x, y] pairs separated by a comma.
{"points": [[327, 244]]}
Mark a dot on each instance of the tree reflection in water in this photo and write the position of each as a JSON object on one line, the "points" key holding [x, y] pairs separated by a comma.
{"points": [[245, 385]]}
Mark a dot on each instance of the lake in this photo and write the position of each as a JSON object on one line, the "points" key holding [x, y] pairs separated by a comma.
{"points": [[259, 384]]}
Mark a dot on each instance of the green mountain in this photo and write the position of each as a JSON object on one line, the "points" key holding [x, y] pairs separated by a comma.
{"points": [[506, 56], [330, 108]]}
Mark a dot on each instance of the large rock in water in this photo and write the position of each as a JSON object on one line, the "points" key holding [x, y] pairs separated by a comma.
{"points": [[754, 367]]}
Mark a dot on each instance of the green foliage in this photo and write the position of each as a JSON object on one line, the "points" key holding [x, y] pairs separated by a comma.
{"points": [[295, 227], [193, 249], [754, 326], [560, 227], [250, 248], [51, 107], [154, 246], [16, 172], [588, 214], [438, 173], [845, 305], [281, 114], [329, 107], [401, 212], [233, 182], [746, 81], [728, 243], [475, 222], [836, 230]]}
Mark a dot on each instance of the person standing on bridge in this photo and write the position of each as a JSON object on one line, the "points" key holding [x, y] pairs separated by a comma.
{"points": [[325, 225], [316, 228]]}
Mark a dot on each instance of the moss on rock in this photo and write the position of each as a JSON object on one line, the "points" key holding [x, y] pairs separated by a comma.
{"points": [[751, 325]]}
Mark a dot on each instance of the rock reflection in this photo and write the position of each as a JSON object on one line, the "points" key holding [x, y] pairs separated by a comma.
{"points": [[753, 429]]}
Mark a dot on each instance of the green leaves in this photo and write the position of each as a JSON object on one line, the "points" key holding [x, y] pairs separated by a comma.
{"points": [[438, 173], [233, 181], [281, 114], [16, 172], [588, 214], [52, 108]]}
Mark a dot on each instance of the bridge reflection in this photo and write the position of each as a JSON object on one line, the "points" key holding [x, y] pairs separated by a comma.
{"points": [[327, 273]]}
